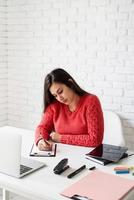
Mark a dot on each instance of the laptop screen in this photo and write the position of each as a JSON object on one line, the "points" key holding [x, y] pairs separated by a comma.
{"points": [[11, 161]]}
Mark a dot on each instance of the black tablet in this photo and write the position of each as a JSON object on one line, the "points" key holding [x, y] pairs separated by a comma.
{"points": [[108, 152]]}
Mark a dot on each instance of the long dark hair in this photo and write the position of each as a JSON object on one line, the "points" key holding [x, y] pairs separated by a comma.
{"points": [[60, 76]]}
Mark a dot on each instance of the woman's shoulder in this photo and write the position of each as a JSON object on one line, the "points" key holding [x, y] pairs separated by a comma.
{"points": [[90, 98]]}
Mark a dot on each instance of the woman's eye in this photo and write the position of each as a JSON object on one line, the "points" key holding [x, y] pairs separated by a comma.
{"points": [[60, 91]]}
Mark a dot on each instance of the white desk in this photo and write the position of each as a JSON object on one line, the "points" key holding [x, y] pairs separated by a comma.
{"points": [[44, 184]]}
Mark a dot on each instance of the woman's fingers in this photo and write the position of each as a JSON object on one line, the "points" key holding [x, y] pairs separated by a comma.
{"points": [[44, 146]]}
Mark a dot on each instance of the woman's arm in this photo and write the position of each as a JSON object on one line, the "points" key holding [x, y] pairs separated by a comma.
{"points": [[45, 126], [95, 127]]}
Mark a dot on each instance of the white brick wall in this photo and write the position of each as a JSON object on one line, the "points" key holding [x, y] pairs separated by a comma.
{"points": [[92, 39], [3, 65]]}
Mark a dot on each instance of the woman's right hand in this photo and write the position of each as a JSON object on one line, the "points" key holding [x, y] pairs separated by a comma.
{"points": [[45, 145]]}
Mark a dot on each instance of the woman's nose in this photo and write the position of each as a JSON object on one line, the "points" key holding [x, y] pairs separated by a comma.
{"points": [[60, 97]]}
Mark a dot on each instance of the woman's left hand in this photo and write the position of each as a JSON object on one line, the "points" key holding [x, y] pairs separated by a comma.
{"points": [[56, 137]]}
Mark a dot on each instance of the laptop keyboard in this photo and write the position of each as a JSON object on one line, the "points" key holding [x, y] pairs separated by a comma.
{"points": [[24, 169]]}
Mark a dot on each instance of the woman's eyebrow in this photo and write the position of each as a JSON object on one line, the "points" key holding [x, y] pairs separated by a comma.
{"points": [[58, 90]]}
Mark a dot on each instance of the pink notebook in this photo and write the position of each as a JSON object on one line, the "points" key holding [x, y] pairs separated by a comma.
{"points": [[100, 186]]}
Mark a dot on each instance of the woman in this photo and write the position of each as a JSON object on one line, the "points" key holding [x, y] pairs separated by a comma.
{"points": [[71, 115]]}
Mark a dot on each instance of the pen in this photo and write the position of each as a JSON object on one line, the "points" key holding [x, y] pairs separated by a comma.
{"points": [[76, 171], [46, 142], [91, 168], [55, 149]]}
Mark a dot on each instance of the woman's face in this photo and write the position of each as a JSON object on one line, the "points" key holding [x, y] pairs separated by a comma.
{"points": [[62, 93]]}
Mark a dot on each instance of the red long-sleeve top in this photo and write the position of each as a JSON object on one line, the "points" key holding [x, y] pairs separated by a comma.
{"points": [[82, 127]]}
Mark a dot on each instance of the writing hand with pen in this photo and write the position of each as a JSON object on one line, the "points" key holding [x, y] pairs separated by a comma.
{"points": [[46, 145]]}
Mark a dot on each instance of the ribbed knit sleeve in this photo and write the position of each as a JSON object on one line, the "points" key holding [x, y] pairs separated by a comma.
{"points": [[95, 127], [45, 126]]}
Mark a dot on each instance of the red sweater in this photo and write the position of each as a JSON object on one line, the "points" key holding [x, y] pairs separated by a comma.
{"points": [[82, 127]]}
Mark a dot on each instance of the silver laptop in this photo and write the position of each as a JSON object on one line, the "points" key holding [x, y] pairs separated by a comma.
{"points": [[11, 162]]}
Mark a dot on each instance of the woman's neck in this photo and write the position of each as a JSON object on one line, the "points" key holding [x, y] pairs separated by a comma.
{"points": [[72, 107]]}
